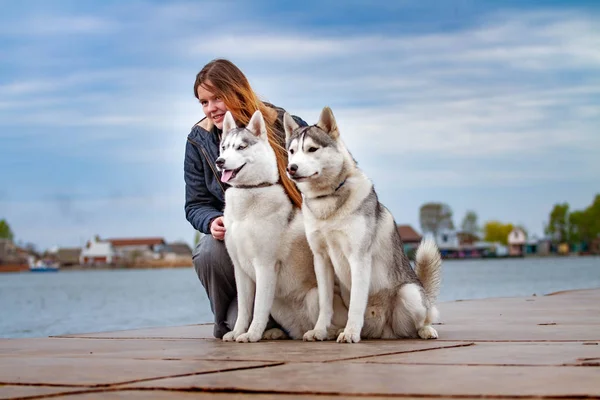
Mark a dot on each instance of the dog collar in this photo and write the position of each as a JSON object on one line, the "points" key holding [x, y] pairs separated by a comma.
{"points": [[260, 185], [340, 185], [331, 194]]}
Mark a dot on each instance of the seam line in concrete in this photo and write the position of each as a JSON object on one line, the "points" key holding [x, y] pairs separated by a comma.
{"points": [[583, 341], [400, 352], [483, 365], [356, 395], [191, 374], [115, 384]]}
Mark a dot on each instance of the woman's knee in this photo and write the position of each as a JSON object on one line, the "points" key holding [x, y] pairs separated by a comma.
{"points": [[210, 258]]}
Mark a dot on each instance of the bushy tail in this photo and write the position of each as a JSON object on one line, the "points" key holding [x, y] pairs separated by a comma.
{"points": [[428, 267]]}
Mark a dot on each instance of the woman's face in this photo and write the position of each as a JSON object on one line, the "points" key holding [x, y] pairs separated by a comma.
{"points": [[213, 106]]}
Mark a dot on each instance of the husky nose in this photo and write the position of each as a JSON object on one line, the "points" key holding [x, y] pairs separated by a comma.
{"points": [[220, 162], [292, 168]]}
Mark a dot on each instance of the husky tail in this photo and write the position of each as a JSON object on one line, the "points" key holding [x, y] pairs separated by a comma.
{"points": [[428, 268]]}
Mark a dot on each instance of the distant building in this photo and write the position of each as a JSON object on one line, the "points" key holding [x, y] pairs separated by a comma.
{"points": [[132, 248], [582, 247], [531, 245], [544, 247], [517, 239], [68, 257], [98, 252], [595, 246], [467, 238], [410, 237], [447, 242], [447, 239], [563, 249], [11, 254], [499, 250], [178, 251], [8, 251]]}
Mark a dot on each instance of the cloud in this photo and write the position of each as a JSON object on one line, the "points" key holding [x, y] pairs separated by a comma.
{"points": [[48, 24], [494, 89], [428, 84], [390, 172], [100, 100], [517, 39], [271, 47]]}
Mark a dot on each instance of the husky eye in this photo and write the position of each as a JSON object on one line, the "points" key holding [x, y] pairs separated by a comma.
{"points": [[291, 151], [223, 148], [241, 147], [312, 149]]}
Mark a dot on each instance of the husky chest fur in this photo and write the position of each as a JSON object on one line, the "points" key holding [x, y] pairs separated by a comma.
{"points": [[351, 232], [265, 238]]}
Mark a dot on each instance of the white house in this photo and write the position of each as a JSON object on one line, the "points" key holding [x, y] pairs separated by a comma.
{"points": [[446, 239], [97, 252], [517, 238]]}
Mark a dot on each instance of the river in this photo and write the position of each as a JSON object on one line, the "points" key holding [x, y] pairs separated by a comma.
{"points": [[44, 304]]}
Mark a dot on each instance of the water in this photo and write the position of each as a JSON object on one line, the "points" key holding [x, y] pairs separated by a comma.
{"points": [[44, 304]]}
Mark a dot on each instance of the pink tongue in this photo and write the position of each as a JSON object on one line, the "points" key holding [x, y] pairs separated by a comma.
{"points": [[226, 175]]}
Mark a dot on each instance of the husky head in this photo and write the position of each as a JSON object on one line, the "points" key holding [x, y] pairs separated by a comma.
{"points": [[317, 158], [246, 158]]}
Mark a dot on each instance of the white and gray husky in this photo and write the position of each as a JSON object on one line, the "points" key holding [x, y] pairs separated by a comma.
{"points": [[353, 236], [266, 240]]}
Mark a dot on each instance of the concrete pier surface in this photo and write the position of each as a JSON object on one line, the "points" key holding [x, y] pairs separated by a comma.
{"points": [[531, 347]]}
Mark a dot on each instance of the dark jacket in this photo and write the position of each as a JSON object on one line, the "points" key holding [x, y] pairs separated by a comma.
{"points": [[204, 191]]}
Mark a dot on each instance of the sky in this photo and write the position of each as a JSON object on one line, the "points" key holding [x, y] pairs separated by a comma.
{"points": [[490, 106]]}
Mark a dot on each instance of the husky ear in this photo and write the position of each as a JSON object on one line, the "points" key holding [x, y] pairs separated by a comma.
{"points": [[289, 125], [327, 123], [257, 125], [228, 122]]}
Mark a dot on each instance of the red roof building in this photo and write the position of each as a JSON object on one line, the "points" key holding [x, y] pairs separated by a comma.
{"points": [[409, 235], [150, 242]]}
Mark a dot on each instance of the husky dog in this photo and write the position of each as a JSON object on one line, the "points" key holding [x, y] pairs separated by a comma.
{"points": [[265, 238], [353, 236]]}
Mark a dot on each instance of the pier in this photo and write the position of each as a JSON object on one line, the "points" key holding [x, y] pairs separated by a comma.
{"points": [[530, 347]]}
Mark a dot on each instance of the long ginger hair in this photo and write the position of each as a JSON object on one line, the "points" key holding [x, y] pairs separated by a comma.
{"points": [[225, 80]]}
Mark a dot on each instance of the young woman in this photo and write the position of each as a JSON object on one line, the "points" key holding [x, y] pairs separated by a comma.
{"points": [[220, 87]]}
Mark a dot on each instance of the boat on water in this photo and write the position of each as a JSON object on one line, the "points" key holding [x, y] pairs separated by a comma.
{"points": [[43, 265]]}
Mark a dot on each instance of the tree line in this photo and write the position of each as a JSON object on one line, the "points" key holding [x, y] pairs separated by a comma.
{"points": [[574, 227], [564, 226], [5, 231], [436, 218]]}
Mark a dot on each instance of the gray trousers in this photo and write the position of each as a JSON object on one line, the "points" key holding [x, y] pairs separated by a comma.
{"points": [[215, 270]]}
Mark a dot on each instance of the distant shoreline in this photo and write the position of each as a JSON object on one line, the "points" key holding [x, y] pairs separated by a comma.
{"points": [[187, 263], [149, 264]]}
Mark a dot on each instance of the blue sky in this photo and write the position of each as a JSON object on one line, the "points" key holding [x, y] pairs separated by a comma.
{"points": [[492, 106]]}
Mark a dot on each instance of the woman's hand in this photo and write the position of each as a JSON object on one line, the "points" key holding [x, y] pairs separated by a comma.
{"points": [[217, 228]]}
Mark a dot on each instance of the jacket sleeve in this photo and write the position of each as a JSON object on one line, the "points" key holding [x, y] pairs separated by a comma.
{"points": [[299, 120], [200, 204]]}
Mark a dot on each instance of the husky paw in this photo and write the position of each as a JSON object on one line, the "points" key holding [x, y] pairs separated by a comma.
{"points": [[314, 335], [428, 332], [333, 332], [349, 336], [274, 334], [230, 336], [248, 338]]}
